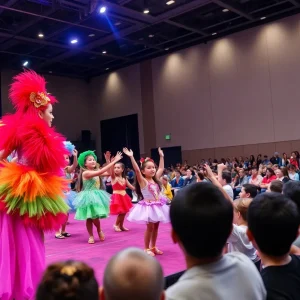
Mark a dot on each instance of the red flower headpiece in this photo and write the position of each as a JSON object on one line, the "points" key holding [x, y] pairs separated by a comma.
{"points": [[29, 88], [143, 160]]}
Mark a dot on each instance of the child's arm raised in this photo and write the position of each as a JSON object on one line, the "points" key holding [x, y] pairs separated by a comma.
{"points": [[71, 169], [161, 166], [100, 172], [139, 177]]}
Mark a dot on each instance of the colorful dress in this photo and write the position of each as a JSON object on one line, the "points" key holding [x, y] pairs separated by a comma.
{"points": [[69, 194], [120, 201], [152, 208], [91, 202]]}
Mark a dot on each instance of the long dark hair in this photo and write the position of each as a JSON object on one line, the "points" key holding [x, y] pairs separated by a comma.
{"points": [[123, 167], [137, 185]]}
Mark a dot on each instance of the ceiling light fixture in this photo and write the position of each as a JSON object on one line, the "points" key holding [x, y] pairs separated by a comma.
{"points": [[74, 41], [151, 35], [40, 35], [170, 2], [167, 49], [118, 23], [262, 18], [104, 52], [225, 10], [146, 11], [25, 63], [214, 33], [106, 69], [50, 72], [102, 9], [91, 34]]}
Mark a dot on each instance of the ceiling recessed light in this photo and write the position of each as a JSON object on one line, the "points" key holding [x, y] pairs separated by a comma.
{"points": [[214, 33], [74, 41], [262, 18], [151, 35], [25, 63], [40, 35], [225, 10], [146, 11], [91, 34], [170, 2], [106, 69], [167, 49], [102, 9], [104, 52]]}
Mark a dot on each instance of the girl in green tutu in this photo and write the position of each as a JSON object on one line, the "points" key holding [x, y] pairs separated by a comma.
{"points": [[92, 203]]}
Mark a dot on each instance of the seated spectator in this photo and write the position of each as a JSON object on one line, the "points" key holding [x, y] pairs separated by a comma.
{"points": [[255, 178], [294, 160], [276, 160], [292, 190], [224, 178], [292, 173], [273, 222], [275, 186], [249, 191], [270, 176], [178, 181], [282, 174], [166, 187], [132, 275], [238, 182], [190, 178], [210, 275], [266, 160], [284, 161], [68, 280], [238, 239]]}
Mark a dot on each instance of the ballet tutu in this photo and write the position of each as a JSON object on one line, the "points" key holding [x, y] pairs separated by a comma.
{"points": [[22, 257], [120, 204], [145, 212], [69, 199], [91, 204]]}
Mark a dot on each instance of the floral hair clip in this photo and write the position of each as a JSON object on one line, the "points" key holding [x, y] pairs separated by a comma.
{"points": [[39, 99], [143, 160]]}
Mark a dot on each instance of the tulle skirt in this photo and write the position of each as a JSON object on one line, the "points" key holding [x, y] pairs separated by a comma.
{"points": [[120, 204], [91, 204], [69, 199], [22, 258], [145, 212]]}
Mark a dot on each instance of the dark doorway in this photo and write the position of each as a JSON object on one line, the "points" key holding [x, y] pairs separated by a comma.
{"points": [[172, 155], [120, 132]]}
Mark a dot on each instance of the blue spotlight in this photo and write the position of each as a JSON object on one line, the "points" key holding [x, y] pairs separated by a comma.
{"points": [[102, 9], [74, 41]]}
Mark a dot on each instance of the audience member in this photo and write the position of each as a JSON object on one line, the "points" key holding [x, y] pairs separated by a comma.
{"points": [[239, 181], [292, 173], [178, 181], [248, 191], [132, 274], [275, 186], [273, 222], [210, 275], [255, 178], [190, 178], [224, 178], [282, 174], [68, 280], [270, 176], [166, 187]]}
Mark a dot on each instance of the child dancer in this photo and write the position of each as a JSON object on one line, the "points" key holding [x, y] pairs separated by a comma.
{"points": [[152, 209], [69, 195], [92, 204], [120, 201]]}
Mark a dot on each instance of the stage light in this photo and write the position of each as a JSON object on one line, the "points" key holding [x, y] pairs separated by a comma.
{"points": [[262, 18], [104, 52], [225, 10], [146, 11], [151, 35], [92, 35], [214, 33], [40, 35], [102, 9], [74, 41], [25, 63], [106, 69], [167, 49], [170, 2]]}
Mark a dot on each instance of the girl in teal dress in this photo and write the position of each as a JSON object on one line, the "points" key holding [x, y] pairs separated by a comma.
{"points": [[92, 203]]}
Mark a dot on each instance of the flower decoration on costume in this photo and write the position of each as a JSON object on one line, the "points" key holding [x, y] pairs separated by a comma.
{"points": [[69, 147], [39, 99], [83, 155], [144, 160]]}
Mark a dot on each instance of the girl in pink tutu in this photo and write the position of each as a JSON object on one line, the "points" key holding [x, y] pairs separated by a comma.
{"points": [[120, 202], [152, 208]]}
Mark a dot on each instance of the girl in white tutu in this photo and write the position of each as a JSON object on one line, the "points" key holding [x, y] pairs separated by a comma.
{"points": [[152, 208]]}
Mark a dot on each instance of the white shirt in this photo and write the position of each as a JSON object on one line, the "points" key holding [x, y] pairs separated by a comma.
{"points": [[238, 241], [233, 277], [229, 191]]}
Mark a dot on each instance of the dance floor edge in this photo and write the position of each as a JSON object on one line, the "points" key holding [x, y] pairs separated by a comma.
{"points": [[98, 254]]}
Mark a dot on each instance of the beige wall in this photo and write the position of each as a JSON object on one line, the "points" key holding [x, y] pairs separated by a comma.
{"points": [[74, 107], [238, 90]]}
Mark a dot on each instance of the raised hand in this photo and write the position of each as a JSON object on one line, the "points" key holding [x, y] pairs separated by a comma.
{"points": [[75, 152], [160, 152], [107, 155], [118, 157], [128, 152]]}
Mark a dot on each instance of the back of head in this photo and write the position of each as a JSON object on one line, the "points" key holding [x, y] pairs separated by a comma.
{"points": [[241, 205], [291, 189], [132, 274], [201, 208], [276, 186], [250, 189], [273, 221], [226, 176], [69, 280]]}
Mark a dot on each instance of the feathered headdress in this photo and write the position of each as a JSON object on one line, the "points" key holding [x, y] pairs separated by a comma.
{"points": [[83, 155], [29, 88], [69, 147]]}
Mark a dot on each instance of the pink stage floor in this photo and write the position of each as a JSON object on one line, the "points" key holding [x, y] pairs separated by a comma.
{"points": [[98, 254]]}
